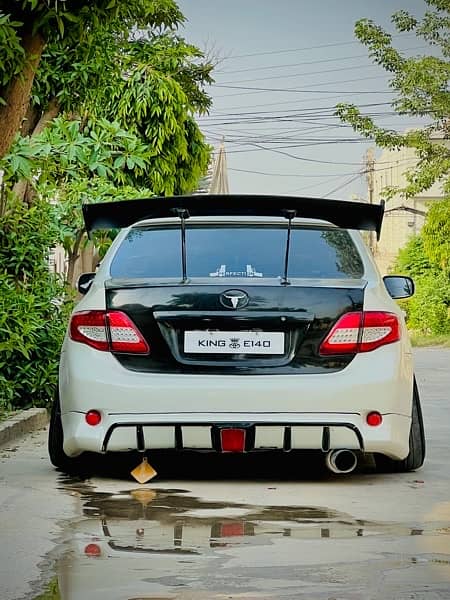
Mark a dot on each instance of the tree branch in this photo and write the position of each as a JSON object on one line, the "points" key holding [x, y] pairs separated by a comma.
{"points": [[17, 94]]}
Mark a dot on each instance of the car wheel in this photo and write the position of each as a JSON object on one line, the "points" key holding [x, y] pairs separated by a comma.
{"points": [[416, 455], [58, 458]]}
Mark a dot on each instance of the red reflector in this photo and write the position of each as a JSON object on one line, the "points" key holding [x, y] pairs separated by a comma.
{"points": [[374, 419], [93, 417], [92, 550], [232, 530], [232, 440]]}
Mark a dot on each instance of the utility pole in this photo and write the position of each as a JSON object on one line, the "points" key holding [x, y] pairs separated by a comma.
{"points": [[369, 170], [219, 179]]}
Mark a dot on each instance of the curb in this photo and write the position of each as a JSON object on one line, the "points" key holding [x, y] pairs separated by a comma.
{"points": [[22, 423]]}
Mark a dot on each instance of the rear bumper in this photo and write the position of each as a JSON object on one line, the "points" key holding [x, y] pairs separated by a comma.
{"points": [[165, 404], [321, 432]]}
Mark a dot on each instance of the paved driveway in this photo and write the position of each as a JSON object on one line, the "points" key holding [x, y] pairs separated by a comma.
{"points": [[259, 529]]}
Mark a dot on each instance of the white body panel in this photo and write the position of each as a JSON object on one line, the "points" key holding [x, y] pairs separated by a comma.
{"points": [[380, 380]]}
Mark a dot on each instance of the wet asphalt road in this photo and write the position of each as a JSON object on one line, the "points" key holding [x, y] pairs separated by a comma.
{"points": [[261, 528]]}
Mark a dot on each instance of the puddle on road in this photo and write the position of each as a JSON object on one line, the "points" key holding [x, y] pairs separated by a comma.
{"points": [[152, 543]]}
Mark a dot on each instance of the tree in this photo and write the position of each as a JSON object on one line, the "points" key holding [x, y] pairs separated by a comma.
{"points": [[112, 106], [28, 26], [412, 259], [422, 89], [436, 235], [32, 310], [421, 85], [149, 80], [97, 102], [428, 310]]}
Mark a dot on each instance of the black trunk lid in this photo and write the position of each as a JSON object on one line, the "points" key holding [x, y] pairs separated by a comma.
{"points": [[302, 312]]}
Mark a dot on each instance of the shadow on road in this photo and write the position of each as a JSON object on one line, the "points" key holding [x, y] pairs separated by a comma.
{"points": [[266, 466]]}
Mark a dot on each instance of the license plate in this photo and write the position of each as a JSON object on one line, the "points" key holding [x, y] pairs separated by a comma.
{"points": [[234, 342]]}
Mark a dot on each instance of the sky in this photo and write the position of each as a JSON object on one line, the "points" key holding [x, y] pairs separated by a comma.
{"points": [[303, 58]]}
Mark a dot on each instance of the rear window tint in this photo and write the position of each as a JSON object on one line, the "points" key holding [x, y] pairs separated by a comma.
{"points": [[218, 252]]}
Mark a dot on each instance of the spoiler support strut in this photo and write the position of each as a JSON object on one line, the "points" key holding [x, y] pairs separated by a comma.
{"points": [[289, 214], [183, 214]]}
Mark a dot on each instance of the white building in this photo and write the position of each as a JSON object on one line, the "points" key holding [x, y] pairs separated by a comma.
{"points": [[403, 217]]}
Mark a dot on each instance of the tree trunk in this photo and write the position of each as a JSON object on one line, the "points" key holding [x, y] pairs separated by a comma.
{"points": [[30, 120], [22, 189], [17, 95], [48, 115], [73, 255]]}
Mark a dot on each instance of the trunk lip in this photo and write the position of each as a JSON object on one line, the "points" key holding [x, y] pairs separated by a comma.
{"points": [[301, 315], [231, 282]]}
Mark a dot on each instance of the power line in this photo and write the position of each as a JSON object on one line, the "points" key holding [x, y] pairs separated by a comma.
{"points": [[308, 91], [310, 160], [343, 185], [287, 65], [321, 121], [310, 187], [301, 158], [288, 174], [279, 103], [312, 62], [303, 141], [287, 76], [296, 110], [332, 45]]}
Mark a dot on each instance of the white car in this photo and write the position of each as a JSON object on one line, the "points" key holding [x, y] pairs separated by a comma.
{"points": [[238, 324]]}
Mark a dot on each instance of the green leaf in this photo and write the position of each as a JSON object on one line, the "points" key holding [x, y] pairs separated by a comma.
{"points": [[119, 162], [60, 23]]}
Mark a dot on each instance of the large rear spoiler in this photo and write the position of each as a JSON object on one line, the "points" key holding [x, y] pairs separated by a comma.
{"points": [[345, 214]]}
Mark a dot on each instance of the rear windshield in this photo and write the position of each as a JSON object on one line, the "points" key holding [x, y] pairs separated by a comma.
{"points": [[228, 251]]}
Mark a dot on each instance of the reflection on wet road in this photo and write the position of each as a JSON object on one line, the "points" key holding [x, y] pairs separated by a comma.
{"points": [[153, 543], [247, 527]]}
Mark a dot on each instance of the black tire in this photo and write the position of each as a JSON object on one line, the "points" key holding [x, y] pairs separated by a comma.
{"points": [[58, 458], [416, 455]]}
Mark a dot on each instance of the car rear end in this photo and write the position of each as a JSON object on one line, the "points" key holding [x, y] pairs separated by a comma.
{"points": [[257, 335]]}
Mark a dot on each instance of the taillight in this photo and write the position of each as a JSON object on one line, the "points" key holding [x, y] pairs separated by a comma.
{"points": [[361, 332], [110, 331], [88, 327], [125, 336]]}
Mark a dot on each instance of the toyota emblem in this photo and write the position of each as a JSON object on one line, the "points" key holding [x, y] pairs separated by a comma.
{"points": [[234, 299]]}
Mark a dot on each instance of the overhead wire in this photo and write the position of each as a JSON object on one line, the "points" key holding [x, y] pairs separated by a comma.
{"points": [[263, 129], [258, 147], [343, 185], [306, 91], [285, 51], [265, 173], [306, 63], [289, 76], [314, 186], [291, 114]]}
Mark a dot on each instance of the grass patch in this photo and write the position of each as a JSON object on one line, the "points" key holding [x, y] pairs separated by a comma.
{"points": [[420, 340], [51, 591], [5, 414]]}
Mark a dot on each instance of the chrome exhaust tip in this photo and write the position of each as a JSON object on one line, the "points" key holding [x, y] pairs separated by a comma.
{"points": [[341, 461]]}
